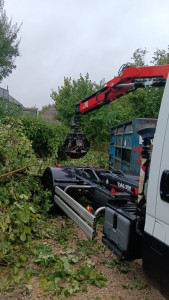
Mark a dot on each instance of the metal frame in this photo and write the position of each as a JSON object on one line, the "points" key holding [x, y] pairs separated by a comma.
{"points": [[76, 212]]}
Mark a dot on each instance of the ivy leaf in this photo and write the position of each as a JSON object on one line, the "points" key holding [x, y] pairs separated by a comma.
{"points": [[32, 209], [15, 271], [73, 258], [23, 237], [18, 205], [76, 285], [27, 230], [29, 287], [27, 275], [23, 196], [25, 218], [69, 291], [100, 283], [34, 272], [57, 279], [66, 264]]}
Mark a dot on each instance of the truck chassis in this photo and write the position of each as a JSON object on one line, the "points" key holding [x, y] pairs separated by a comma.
{"points": [[111, 191]]}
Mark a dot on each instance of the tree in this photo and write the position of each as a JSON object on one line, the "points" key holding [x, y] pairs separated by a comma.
{"points": [[138, 58], [161, 57], [9, 43], [146, 103], [70, 93], [65, 101]]}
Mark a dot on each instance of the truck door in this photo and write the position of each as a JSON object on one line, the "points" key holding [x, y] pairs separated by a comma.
{"points": [[157, 213], [161, 225], [161, 228], [156, 236]]}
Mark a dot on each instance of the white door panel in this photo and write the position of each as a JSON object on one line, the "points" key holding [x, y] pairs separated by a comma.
{"points": [[162, 207], [159, 231], [157, 208]]}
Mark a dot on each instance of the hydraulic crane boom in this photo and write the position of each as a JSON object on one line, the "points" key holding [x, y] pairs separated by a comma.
{"points": [[129, 79]]}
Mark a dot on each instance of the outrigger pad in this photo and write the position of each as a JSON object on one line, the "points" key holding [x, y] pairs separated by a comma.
{"points": [[76, 145]]}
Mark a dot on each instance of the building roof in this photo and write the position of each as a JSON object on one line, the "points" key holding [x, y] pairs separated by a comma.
{"points": [[49, 115], [5, 94], [13, 100]]}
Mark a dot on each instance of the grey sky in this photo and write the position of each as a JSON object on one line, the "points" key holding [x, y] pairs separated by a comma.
{"points": [[63, 38]]}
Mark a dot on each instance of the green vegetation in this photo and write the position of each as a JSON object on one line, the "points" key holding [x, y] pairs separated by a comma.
{"points": [[9, 46], [21, 197], [93, 158], [25, 224], [32, 244], [61, 269], [65, 100], [9, 109], [46, 138]]}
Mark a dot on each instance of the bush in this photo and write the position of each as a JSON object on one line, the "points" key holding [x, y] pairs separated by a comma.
{"points": [[21, 195], [92, 158], [47, 138], [9, 109], [15, 148]]}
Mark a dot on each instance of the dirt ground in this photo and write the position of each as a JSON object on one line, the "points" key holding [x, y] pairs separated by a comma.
{"points": [[125, 281]]}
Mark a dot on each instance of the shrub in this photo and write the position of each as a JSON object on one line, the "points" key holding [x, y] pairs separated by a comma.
{"points": [[9, 109], [46, 137], [21, 197], [92, 158]]}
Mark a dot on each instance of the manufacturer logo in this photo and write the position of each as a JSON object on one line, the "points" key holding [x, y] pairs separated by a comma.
{"points": [[86, 104], [124, 186]]}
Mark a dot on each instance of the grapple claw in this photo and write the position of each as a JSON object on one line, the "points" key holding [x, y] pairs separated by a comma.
{"points": [[76, 145]]}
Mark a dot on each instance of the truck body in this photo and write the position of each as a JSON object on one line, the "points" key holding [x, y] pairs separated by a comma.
{"points": [[136, 214]]}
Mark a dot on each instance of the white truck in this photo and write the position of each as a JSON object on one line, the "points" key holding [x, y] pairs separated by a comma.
{"points": [[134, 227]]}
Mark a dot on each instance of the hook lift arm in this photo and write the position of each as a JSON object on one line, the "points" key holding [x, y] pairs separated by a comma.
{"points": [[128, 80]]}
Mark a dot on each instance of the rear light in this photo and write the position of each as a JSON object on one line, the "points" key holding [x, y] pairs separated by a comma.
{"points": [[113, 192], [89, 208]]}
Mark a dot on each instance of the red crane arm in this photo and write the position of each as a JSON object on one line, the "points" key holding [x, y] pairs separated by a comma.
{"points": [[130, 78], [127, 79]]}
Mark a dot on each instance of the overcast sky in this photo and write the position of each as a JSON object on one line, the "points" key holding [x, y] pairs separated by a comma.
{"points": [[63, 38]]}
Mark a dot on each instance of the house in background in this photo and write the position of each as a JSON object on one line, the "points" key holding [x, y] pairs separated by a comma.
{"points": [[26, 110], [49, 115]]}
